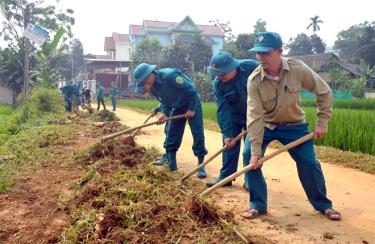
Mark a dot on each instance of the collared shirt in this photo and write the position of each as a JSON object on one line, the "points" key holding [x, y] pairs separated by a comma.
{"points": [[273, 102], [174, 89], [231, 98], [100, 93]]}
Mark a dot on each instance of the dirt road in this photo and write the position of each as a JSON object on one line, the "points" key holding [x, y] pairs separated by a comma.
{"points": [[291, 218]]}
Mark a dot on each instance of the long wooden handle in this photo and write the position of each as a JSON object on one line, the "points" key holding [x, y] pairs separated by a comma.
{"points": [[108, 137], [250, 167], [147, 119], [237, 138]]}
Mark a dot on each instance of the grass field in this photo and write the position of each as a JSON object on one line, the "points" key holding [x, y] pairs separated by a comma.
{"points": [[349, 129]]}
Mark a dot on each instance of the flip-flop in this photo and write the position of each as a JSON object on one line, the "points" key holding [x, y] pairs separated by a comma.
{"points": [[252, 213], [332, 214]]}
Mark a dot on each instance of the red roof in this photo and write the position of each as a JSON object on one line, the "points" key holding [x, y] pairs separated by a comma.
{"points": [[157, 24], [206, 29], [110, 41], [210, 30]]}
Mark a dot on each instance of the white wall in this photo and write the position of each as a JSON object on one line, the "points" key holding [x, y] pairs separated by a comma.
{"points": [[122, 51], [6, 96]]}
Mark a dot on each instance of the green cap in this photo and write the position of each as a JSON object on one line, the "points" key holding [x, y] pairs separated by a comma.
{"points": [[140, 74], [266, 41], [221, 63]]}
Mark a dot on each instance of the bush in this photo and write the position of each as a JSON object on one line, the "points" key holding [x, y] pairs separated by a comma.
{"points": [[204, 86], [46, 100]]}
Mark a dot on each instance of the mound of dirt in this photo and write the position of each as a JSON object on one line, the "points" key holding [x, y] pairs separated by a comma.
{"points": [[106, 128], [106, 115]]}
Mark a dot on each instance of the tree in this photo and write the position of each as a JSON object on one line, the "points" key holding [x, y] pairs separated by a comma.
{"points": [[177, 56], [11, 71], [301, 45], [357, 42], [315, 23], [45, 72], [199, 54], [148, 51], [318, 46], [260, 26], [366, 72], [224, 27], [14, 12], [243, 43], [72, 59]]}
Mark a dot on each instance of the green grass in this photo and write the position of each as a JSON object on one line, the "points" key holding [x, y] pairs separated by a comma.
{"points": [[5, 110], [366, 104], [349, 129]]}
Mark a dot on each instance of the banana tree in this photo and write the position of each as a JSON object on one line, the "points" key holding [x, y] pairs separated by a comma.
{"points": [[45, 72]]}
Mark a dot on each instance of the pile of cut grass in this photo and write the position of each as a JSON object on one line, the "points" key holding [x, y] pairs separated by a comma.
{"points": [[122, 198]]}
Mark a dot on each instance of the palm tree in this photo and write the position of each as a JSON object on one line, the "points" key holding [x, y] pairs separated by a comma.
{"points": [[315, 23]]}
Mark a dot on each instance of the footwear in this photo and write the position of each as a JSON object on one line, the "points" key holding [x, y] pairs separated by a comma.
{"points": [[253, 213], [202, 173], [172, 163], [161, 161], [215, 181], [331, 214]]}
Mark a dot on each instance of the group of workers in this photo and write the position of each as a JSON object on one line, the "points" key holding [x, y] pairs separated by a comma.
{"points": [[75, 95], [262, 97]]}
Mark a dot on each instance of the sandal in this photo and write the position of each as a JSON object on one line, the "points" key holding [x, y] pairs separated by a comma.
{"points": [[252, 213], [332, 214]]}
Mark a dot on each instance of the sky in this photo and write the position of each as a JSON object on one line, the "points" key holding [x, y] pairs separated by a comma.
{"points": [[96, 19]]}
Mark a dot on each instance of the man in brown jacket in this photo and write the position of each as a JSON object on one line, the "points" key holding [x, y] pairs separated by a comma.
{"points": [[274, 113]]}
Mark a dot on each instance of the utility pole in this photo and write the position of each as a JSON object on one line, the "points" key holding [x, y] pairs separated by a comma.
{"points": [[72, 67], [26, 66]]}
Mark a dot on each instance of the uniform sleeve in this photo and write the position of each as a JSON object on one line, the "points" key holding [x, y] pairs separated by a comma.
{"points": [[255, 122], [314, 83], [187, 89], [223, 114]]}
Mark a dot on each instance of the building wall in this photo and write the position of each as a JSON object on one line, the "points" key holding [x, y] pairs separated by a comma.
{"points": [[163, 38], [219, 44], [6, 96], [123, 51]]}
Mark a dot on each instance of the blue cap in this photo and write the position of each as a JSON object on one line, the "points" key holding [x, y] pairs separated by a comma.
{"points": [[266, 41], [221, 63], [140, 74]]}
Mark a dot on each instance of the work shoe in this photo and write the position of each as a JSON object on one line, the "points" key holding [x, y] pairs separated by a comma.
{"points": [[172, 162], [161, 161], [202, 173], [215, 181]]}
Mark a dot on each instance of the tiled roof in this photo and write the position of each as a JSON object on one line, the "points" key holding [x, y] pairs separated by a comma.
{"points": [[206, 29], [110, 41]]}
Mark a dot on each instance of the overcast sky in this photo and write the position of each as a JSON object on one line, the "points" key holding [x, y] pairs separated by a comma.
{"points": [[96, 19]]}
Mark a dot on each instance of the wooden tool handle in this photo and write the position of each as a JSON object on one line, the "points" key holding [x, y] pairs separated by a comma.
{"points": [[237, 138], [249, 167]]}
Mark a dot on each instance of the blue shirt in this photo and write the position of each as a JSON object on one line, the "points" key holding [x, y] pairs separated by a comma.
{"points": [[100, 93], [174, 89], [114, 91], [231, 98]]}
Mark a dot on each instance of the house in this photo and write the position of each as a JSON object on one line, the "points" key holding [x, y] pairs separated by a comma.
{"points": [[118, 46], [168, 32], [320, 63]]}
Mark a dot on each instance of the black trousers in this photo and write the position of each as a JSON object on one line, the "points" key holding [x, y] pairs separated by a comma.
{"points": [[101, 101]]}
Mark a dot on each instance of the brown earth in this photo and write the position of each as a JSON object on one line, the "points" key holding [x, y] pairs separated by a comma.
{"points": [[291, 218], [32, 211]]}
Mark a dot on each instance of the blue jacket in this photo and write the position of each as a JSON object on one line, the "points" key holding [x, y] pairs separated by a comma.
{"points": [[114, 91], [68, 91], [100, 93], [231, 98], [174, 89]]}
